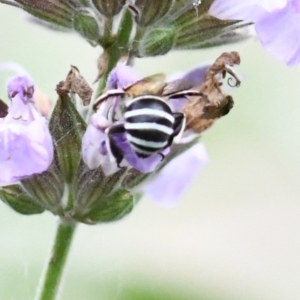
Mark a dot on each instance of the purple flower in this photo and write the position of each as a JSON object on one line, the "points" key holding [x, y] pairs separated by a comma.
{"points": [[94, 152], [276, 23], [25, 142], [176, 176], [94, 146]]}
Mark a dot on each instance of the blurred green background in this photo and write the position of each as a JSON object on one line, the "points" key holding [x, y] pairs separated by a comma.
{"points": [[235, 234]]}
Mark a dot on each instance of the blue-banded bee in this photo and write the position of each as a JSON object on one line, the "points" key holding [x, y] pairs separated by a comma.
{"points": [[149, 126], [148, 122]]}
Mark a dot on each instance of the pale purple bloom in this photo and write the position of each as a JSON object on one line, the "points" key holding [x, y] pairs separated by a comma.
{"points": [[121, 76], [184, 81], [144, 165], [94, 149], [94, 138], [276, 23], [94, 152], [176, 176], [25, 142]]}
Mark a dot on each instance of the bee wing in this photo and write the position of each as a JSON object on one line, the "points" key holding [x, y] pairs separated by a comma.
{"points": [[176, 86], [151, 85]]}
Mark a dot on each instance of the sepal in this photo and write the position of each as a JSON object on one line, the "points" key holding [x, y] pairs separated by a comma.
{"points": [[86, 26], [46, 188], [157, 41], [67, 128], [197, 29], [53, 11], [109, 8], [19, 200], [147, 12], [112, 208], [90, 187]]}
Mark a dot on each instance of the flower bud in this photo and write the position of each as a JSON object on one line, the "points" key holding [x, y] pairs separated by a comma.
{"points": [[158, 41], [86, 26]]}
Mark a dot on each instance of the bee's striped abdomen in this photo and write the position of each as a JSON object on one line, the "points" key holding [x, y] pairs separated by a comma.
{"points": [[148, 124]]}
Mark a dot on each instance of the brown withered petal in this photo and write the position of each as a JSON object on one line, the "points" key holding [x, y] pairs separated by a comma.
{"points": [[58, 12], [109, 8], [76, 83], [102, 64], [202, 110], [149, 11]]}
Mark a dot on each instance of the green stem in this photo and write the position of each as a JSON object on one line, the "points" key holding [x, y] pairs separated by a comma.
{"points": [[51, 281]]}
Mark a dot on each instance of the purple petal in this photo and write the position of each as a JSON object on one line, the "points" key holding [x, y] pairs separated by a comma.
{"points": [[279, 32], [121, 76], [25, 149], [25, 142], [94, 152], [22, 86], [144, 165], [186, 81], [249, 10], [276, 23], [175, 177]]}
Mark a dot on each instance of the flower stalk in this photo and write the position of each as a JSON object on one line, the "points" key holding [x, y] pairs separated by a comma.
{"points": [[117, 48], [57, 261]]}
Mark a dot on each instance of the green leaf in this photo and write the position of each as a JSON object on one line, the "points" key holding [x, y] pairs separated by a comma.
{"points": [[19, 200], [67, 128]]}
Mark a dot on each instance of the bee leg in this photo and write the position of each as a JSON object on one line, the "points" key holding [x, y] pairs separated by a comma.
{"points": [[162, 156], [113, 149], [105, 96], [224, 73]]}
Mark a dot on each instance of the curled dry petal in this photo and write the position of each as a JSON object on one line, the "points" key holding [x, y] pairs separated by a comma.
{"points": [[76, 83], [212, 102]]}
